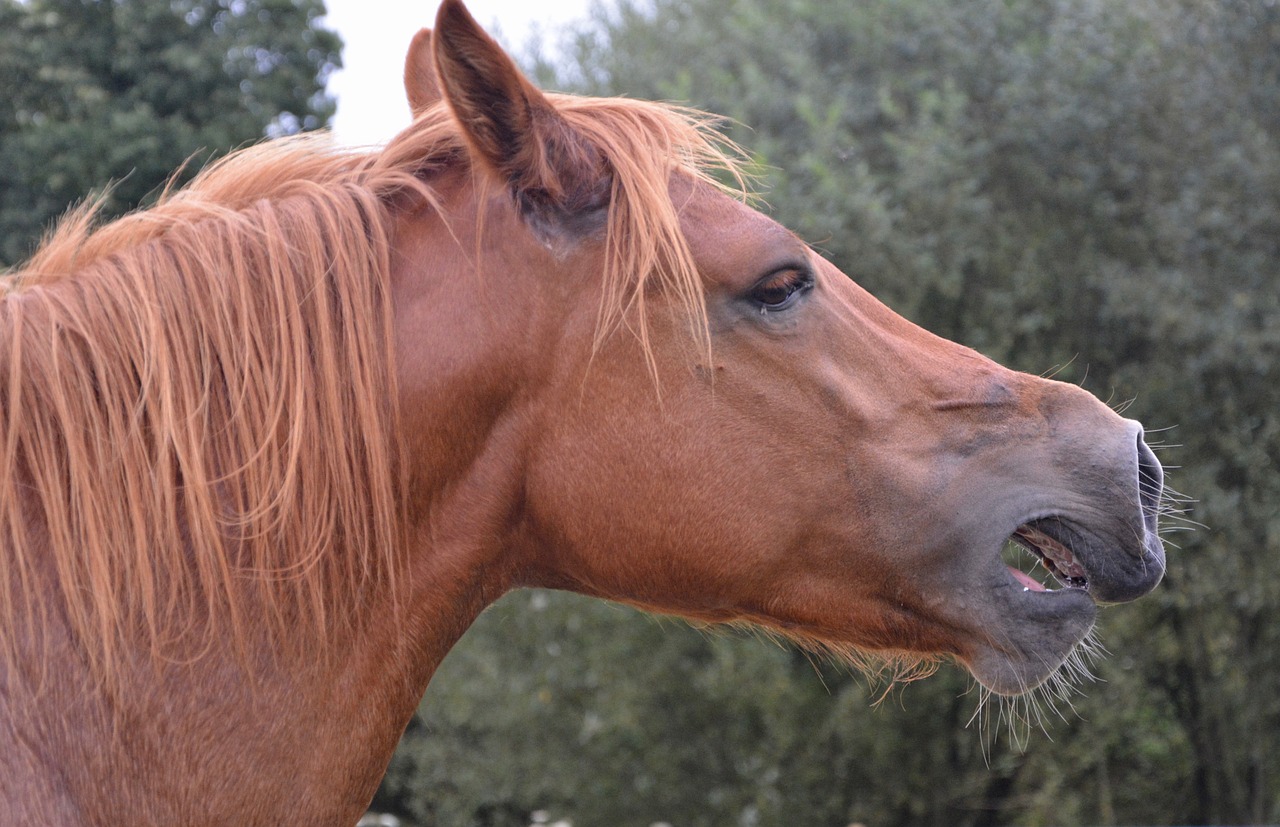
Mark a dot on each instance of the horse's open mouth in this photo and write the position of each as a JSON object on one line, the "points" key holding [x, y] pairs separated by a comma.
{"points": [[1051, 543]]}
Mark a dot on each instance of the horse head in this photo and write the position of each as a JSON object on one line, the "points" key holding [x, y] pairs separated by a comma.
{"points": [[617, 379]]}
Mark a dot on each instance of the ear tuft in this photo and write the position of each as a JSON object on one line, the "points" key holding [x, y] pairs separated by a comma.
{"points": [[421, 85]]}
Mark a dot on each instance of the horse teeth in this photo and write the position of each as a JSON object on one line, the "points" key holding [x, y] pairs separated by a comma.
{"points": [[1059, 560]]}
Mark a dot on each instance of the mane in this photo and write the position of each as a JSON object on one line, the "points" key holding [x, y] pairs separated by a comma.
{"points": [[198, 427]]}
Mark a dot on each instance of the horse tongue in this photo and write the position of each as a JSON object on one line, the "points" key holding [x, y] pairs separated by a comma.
{"points": [[1026, 580]]}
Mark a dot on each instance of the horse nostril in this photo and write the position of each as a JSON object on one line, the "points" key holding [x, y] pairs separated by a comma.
{"points": [[1150, 479]]}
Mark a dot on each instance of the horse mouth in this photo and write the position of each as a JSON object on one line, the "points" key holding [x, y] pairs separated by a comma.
{"points": [[1038, 619], [1052, 543]]}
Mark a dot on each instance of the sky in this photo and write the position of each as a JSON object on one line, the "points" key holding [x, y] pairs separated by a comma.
{"points": [[370, 90]]}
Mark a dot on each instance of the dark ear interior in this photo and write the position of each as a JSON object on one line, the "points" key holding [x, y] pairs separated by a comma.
{"points": [[555, 175]]}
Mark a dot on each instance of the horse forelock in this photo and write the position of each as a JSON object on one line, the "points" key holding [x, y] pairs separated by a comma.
{"points": [[200, 401], [644, 145]]}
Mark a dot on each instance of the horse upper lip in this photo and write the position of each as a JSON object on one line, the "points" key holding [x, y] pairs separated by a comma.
{"points": [[1049, 540]]}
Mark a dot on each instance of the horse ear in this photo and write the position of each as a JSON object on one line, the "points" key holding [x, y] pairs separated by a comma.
{"points": [[511, 126], [420, 83]]}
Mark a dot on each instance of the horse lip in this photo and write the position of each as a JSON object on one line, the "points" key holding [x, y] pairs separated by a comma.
{"points": [[1055, 543], [1082, 559]]}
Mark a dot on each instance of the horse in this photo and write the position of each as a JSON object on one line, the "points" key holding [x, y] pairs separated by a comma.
{"points": [[271, 445]]}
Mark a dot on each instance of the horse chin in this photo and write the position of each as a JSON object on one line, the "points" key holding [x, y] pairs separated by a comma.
{"points": [[1031, 636], [1028, 629]]}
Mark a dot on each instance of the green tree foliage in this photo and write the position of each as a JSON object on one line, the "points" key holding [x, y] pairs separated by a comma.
{"points": [[126, 91], [1062, 184]]}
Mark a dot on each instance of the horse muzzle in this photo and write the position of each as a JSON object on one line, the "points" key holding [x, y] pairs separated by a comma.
{"points": [[1111, 550]]}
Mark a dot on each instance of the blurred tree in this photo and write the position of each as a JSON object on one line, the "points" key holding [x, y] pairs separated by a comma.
{"points": [[1085, 187], [127, 91]]}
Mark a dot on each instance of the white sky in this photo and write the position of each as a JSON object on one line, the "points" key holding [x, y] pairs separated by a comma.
{"points": [[370, 90]]}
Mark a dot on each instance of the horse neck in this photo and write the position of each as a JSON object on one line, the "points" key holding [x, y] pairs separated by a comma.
{"points": [[300, 742], [302, 737], [286, 733]]}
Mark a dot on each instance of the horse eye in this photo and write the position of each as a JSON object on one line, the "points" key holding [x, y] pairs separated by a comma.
{"points": [[781, 290]]}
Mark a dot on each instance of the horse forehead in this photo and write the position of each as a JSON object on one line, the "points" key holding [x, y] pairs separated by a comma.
{"points": [[726, 237]]}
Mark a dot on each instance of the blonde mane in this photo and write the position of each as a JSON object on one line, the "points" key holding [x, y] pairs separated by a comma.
{"points": [[199, 406]]}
